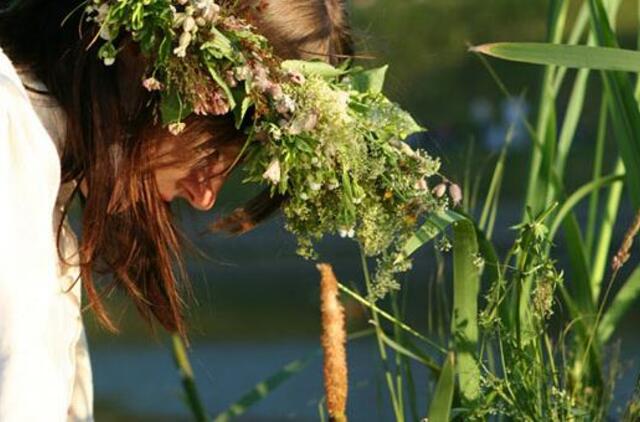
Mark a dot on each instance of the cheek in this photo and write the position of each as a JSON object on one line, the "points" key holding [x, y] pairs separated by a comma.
{"points": [[167, 181]]}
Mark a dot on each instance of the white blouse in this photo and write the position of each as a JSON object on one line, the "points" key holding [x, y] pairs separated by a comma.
{"points": [[45, 373]]}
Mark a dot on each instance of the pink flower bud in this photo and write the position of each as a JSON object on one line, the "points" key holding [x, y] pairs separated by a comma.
{"points": [[455, 193]]}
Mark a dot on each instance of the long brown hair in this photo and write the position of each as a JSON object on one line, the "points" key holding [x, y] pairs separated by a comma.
{"points": [[112, 133]]}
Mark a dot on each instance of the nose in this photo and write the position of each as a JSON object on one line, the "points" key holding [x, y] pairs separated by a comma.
{"points": [[201, 191], [198, 192]]}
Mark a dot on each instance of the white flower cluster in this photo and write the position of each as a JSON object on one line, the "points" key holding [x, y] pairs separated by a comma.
{"points": [[197, 14]]}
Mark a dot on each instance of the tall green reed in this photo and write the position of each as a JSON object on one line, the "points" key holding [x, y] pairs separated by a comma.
{"points": [[526, 339]]}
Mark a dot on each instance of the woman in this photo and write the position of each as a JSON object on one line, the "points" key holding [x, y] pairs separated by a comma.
{"points": [[72, 124]]}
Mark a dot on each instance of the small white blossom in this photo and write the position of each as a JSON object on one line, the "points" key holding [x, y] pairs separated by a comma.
{"points": [[189, 24], [108, 61], [440, 190], [296, 77], [183, 43], [207, 9], [347, 232], [152, 84], [272, 173], [242, 73], [176, 128], [275, 132], [285, 105], [422, 185], [342, 101], [314, 186], [275, 91], [106, 34]]}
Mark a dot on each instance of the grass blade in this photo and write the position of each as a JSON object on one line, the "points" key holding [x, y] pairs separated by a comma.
{"points": [[434, 225], [572, 56], [264, 388], [466, 287], [626, 297], [188, 381], [440, 407], [624, 108]]}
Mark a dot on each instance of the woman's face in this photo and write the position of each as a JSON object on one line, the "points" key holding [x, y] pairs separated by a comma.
{"points": [[199, 184]]}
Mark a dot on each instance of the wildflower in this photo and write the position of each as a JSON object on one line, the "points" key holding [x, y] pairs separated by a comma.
{"points": [[275, 132], [272, 173], [261, 79], [103, 12], [176, 128], [219, 104], [275, 91], [242, 73], [285, 105], [342, 101], [314, 186], [347, 232], [106, 34], [152, 84], [296, 77], [440, 190], [229, 78], [421, 184], [207, 9], [304, 123], [183, 43], [232, 23], [333, 345], [189, 24], [455, 193], [108, 61]]}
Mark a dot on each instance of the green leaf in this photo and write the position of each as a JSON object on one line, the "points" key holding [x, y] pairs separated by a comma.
{"points": [[440, 407], [573, 56], [464, 321], [264, 388], [241, 112], [220, 46], [369, 81], [172, 108], [309, 68], [626, 297], [434, 225], [220, 81], [625, 115]]}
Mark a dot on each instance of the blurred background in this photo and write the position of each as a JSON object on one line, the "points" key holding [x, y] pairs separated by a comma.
{"points": [[256, 302]]}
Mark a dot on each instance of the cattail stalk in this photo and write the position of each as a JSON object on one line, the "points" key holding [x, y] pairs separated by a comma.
{"points": [[333, 344], [624, 253]]}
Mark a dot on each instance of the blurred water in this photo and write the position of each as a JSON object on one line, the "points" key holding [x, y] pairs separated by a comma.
{"points": [[143, 380]]}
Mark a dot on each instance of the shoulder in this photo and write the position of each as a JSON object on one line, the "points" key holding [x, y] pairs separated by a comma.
{"points": [[11, 90], [28, 156]]}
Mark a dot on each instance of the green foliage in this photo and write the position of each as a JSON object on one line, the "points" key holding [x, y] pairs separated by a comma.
{"points": [[505, 359], [442, 400]]}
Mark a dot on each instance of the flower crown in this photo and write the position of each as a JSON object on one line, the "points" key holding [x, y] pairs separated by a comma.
{"points": [[324, 136]]}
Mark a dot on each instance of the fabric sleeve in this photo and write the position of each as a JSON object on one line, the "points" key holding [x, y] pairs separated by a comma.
{"points": [[36, 373]]}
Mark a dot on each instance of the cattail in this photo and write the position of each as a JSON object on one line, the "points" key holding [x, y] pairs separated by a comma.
{"points": [[624, 252], [333, 345]]}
